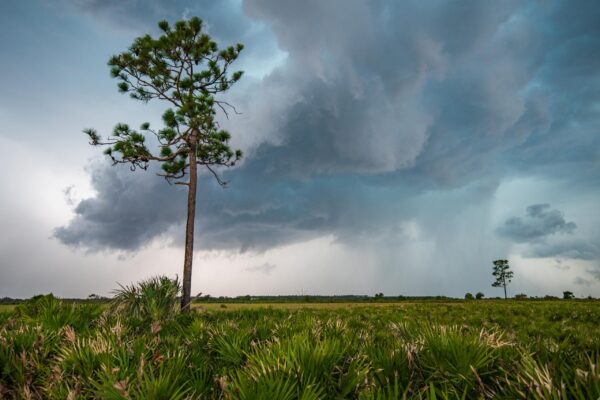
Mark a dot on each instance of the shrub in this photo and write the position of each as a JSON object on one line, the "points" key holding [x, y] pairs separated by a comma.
{"points": [[468, 296], [479, 296], [149, 301], [53, 314], [462, 360]]}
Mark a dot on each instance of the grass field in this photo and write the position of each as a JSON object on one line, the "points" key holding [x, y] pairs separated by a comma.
{"points": [[293, 306], [144, 349], [227, 306], [6, 307]]}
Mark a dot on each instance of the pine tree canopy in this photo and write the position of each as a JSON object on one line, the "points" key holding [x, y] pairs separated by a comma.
{"points": [[502, 273], [185, 68]]}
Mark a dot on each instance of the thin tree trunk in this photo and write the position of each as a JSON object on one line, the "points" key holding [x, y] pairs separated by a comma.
{"points": [[189, 230], [505, 297]]}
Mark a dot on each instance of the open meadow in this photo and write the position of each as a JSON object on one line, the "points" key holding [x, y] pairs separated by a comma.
{"points": [[147, 350]]}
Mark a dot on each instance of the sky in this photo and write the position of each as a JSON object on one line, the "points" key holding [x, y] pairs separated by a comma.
{"points": [[389, 146]]}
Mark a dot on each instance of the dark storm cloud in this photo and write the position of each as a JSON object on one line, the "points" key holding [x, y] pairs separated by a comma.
{"points": [[548, 235], [125, 216], [585, 249], [575, 249], [540, 221], [378, 103], [258, 210]]}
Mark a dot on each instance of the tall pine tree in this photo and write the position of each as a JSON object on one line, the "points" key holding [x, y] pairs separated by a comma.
{"points": [[185, 68]]}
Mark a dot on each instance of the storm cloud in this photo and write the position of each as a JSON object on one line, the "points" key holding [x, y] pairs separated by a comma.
{"points": [[126, 216], [376, 105], [575, 249], [540, 221], [545, 233]]}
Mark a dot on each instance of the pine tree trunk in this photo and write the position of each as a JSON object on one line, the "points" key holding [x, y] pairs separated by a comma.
{"points": [[189, 230], [505, 297]]}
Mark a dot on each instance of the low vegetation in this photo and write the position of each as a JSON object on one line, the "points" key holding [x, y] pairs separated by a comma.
{"points": [[141, 348]]}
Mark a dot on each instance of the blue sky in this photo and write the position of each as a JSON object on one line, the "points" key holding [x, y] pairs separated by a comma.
{"points": [[389, 146]]}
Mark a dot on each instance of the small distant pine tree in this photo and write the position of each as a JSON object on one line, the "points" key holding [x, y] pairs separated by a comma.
{"points": [[503, 275]]}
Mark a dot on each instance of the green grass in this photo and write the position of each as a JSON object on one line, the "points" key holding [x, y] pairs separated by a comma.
{"points": [[226, 306], [6, 307], [139, 349]]}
